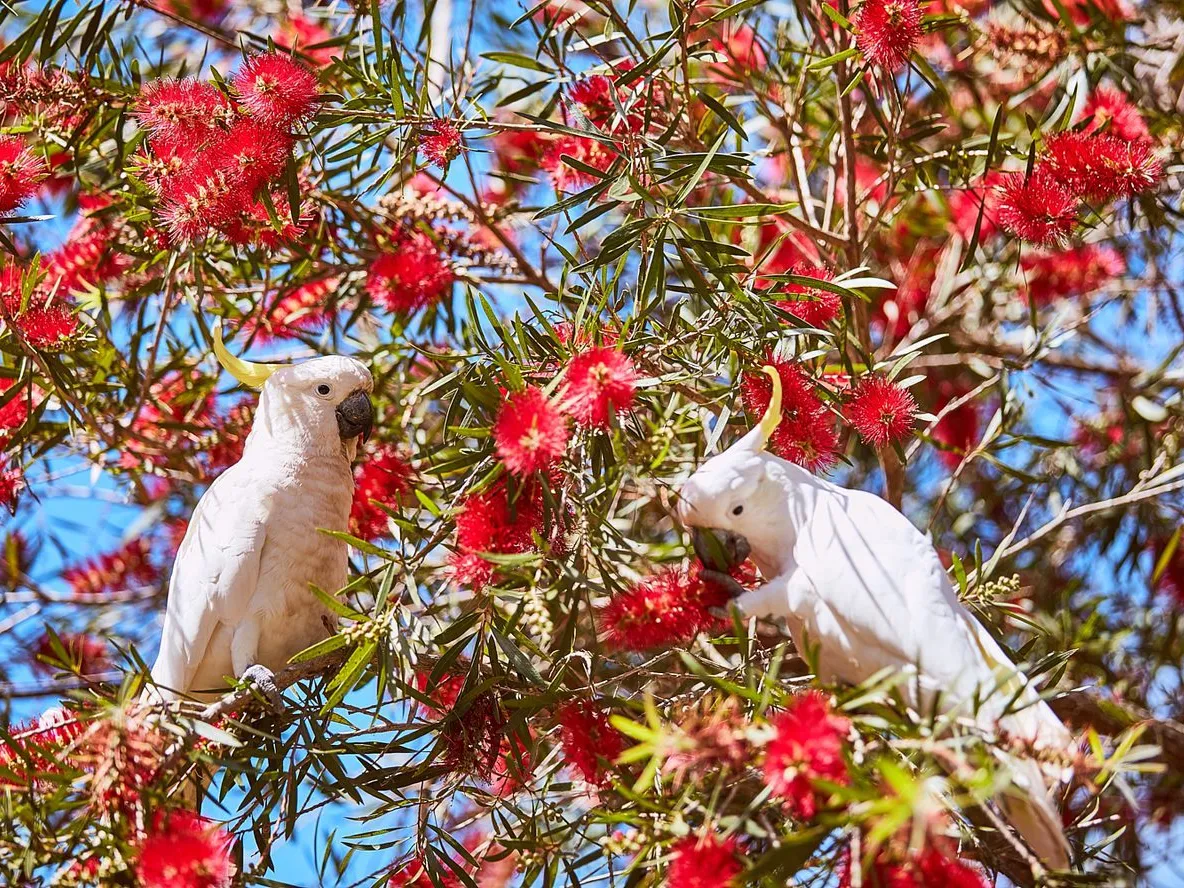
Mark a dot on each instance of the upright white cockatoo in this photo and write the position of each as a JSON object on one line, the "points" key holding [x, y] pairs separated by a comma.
{"points": [[857, 582], [239, 599]]}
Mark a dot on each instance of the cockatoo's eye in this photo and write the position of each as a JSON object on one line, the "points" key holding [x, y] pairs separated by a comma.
{"points": [[739, 510], [324, 389]]}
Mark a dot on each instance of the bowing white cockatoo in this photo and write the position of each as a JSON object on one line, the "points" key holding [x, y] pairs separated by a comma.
{"points": [[239, 600], [858, 584]]}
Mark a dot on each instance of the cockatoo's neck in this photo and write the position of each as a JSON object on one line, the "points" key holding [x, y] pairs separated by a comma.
{"points": [[280, 431], [794, 495]]}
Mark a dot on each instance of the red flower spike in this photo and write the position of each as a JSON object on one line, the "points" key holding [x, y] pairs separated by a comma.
{"points": [[277, 90], [181, 111], [881, 411], [806, 433], [598, 384], [812, 306], [382, 477], [887, 31], [1110, 110], [300, 33], [1103, 167], [704, 862], [590, 152], [411, 276], [21, 173], [808, 747], [12, 482], [15, 412], [588, 740], [129, 565], [667, 608], [304, 309], [1036, 208], [254, 153], [184, 850], [85, 653], [1069, 273], [530, 433], [440, 142], [493, 522], [939, 871]]}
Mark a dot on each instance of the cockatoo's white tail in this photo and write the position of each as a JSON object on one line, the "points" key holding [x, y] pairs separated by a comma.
{"points": [[1029, 808]]}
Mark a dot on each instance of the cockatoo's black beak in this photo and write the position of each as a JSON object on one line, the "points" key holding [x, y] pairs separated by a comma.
{"points": [[719, 550], [355, 416]]}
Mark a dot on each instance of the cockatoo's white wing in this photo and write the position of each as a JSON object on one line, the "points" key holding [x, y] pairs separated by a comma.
{"points": [[885, 601], [884, 592], [214, 575]]}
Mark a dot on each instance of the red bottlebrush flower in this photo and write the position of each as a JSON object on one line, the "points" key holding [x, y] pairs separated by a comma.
{"points": [[704, 862], [741, 48], [208, 11], [594, 96], [530, 432], [965, 205], [588, 740], [887, 31], [21, 173], [1171, 580], [589, 152], [958, 429], [14, 413], [939, 871], [129, 565], [494, 522], [598, 384], [304, 309], [806, 434], [382, 477], [251, 152], [444, 693], [181, 111], [411, 276], [881, 411], [277, 90], [811, 305], [472, 740], [12, 482], [667, 608], [513, 768], [414, 874], [301, 34], [1036, 208], [84, 260], [1069, 273], [440, 142], [1109, 108], [84, 654], [1084, 11], [200, 199], [518, 151], [1103, 167], [45, 744], [808, 746], [184, 850]]}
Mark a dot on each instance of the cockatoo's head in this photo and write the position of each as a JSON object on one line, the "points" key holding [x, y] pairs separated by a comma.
{"points": [[317, 406], [726, 504]]}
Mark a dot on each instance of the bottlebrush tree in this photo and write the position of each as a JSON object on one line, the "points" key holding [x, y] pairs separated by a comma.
{"points": [[566, 236]]}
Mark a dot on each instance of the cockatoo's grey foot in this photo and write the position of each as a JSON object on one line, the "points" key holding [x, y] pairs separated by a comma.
{"points": [[722, 581], [719, 550], [264, 679]]}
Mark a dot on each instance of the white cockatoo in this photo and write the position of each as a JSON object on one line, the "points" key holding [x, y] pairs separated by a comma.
{"points": [[239, 600], [858, 584]]}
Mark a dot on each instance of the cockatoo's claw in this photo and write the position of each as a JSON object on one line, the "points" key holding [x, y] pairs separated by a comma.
{"points": [[719, 550], [723, 582], [264, 679]]}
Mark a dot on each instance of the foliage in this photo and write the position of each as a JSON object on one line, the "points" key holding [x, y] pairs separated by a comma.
{"points": [[564, 237]]}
